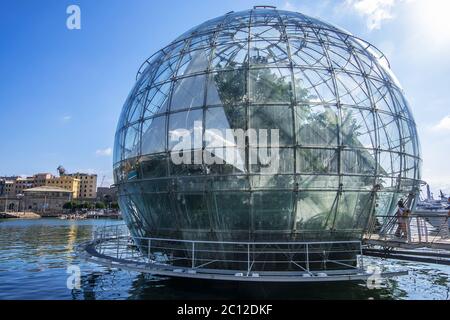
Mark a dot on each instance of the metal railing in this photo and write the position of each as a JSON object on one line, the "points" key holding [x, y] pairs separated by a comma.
{"points": [[244, 258], [415, 228]]}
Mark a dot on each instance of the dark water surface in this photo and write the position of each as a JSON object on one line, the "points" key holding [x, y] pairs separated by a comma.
{"points": [[35, 254]]}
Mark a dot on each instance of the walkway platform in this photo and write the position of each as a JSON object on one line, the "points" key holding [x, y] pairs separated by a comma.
{"points": [[394, 242], [211, 260], [424, 238]]}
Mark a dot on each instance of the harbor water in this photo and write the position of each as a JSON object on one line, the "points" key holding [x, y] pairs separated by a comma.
{"points": [[37, 257]]}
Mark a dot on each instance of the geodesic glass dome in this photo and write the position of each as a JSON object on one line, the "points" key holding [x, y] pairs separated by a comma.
{"points": [[347, 144]]}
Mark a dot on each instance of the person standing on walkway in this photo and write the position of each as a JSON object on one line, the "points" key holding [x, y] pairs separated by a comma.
{"points": [[401, 225]]}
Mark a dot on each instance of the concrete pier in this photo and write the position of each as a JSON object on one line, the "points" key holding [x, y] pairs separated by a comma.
{"points": [[19, 215]]}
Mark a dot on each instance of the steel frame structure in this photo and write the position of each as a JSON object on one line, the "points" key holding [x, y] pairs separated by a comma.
{"points": [[112, 246], [349, 147]]}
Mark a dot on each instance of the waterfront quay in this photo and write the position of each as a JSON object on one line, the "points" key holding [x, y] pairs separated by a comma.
{"points": [[62, 215], [19, 215]]}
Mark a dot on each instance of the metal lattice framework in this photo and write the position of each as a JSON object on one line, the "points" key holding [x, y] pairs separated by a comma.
{"points": [[300, 261], [348, 141]]}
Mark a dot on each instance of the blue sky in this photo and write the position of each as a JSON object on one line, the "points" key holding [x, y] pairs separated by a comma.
{"points": [[61, 91]]}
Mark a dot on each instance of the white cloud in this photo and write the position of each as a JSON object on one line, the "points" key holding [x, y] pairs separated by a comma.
{"points": [[66, 118], [375, 11], [429, 22], [104, 152], [442, 125], [289, 6]]}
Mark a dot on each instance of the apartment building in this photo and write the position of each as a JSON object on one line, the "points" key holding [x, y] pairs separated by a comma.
{"points": [[88, 185]]}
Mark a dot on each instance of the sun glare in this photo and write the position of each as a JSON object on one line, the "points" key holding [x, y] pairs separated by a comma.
{"points": [[431, 19]]}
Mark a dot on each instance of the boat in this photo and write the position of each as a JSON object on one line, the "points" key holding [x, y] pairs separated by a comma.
{"points": [[72, 217], [435, 211]]}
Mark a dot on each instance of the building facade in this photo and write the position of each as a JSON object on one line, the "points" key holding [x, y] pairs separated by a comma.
{"points": [[46, 199], [88, 185], [107, 194], [9, 188], [68, 183], [81, 185], [21, 184]]}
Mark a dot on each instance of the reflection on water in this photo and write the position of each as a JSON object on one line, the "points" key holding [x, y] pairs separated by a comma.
{"points": [[34, 255]]}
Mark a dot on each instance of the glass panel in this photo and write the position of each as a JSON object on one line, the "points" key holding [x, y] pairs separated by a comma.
{"points": [[201, 41], [352, 90], [317, 125], [188, 93], [358, 182], [145, 220], [187, 163], [226, 117], [272, 118], [193, 210], [230, 183], [272, 210], [314, 86], [272, 181], [314, 209], [186, 128], [157, 100], [136, 108], [271, 160], [330, 37], [232, 211], [129, 170], [367, 61], [358, 161], [410, 166], [317, 160], [268, 21], [388, 132], [293, 21], [307, 54], [400, 102], [132, 141], [221, 122], [191, 184], [166, 70], [226, 88], [270, 85], [403, 106], [317, 181], [237, 33], [118, 143], [387, 183], [353, 211], [268, 53], [230, 56], [342, 58], [159, 207], [153, 166], [131, 216], [194, 61], [389, 164], [407, 136], [154, 135], [224, 160], [358, 128], [383, 204], [381, 96]]}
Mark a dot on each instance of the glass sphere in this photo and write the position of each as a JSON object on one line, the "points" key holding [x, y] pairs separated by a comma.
{"points": [[347, 144]]}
